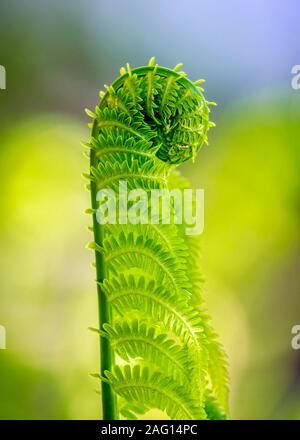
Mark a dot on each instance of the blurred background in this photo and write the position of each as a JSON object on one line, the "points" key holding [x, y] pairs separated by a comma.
{"points": [[57, 55]]}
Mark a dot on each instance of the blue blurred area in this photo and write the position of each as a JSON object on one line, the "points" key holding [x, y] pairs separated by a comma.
{"points": [[63, 51]]}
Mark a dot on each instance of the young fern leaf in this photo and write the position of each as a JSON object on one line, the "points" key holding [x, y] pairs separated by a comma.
{"points": [[140, 340], [154, 390], [157, 348]]}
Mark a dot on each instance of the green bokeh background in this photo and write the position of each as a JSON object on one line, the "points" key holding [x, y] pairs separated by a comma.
{"points": [[57, 56]]}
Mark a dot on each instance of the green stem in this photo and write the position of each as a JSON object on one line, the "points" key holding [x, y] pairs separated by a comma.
{"points": [[109, 410]]}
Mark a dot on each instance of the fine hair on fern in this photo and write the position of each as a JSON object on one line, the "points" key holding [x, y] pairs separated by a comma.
{"points": [[157, 347]]}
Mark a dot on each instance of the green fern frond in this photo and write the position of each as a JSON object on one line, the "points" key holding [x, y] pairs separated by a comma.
{"points": [[154, 390], [172, 314], [141, 340], [151, 310], [156, 301], [127, 252]]}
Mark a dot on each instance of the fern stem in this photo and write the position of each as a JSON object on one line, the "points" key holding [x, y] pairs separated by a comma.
{"points": [[109, 410]]}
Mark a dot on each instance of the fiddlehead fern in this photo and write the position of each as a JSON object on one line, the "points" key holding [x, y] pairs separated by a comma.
{"points": [[157, 347]]}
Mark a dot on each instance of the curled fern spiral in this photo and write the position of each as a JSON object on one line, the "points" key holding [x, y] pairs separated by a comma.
{"points": [[158, 349]]}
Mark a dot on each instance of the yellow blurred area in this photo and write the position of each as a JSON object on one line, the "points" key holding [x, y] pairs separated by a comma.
{"points": [[47, 294]]}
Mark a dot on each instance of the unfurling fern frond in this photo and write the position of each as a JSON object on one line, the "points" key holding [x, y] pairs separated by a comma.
{"points": [[154, 390], [157, 347], [141, 340]]}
